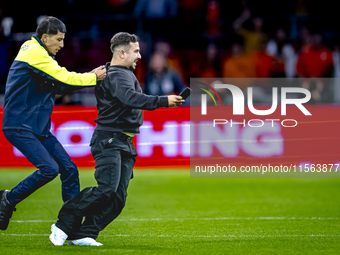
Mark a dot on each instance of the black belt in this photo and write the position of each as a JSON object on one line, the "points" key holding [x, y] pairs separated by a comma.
{"points": [[124, 137]]}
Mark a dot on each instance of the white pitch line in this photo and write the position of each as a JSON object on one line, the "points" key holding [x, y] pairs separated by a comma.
{"points": [[32, 221], [193, 236], [232, 218], [205, 219], [4, 234]]}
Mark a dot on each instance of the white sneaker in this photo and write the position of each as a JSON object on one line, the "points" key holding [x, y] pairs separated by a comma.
{"points": [[85, 241], [58, 237]]}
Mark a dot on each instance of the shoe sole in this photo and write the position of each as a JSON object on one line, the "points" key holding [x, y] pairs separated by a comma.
{"points": [[71, 243], [3, 223]]}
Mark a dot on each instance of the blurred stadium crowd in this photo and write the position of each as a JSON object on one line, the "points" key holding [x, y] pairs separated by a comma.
{"points": [[181, 39]]}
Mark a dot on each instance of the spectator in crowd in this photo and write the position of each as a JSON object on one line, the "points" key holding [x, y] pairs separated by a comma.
{"points": [[304, 39], [252, 38], [316, 60], [210, 70], [192, 61], [239, 65], [213, 18], [156, 9], [156, 14], [263, 62], [189, 10], [172, 59], [161, 80], [284, 55]]}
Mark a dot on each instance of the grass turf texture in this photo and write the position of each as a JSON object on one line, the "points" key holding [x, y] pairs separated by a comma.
{"points": [[167, 212]]}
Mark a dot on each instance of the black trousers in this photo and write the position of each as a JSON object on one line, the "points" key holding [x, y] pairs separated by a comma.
{"points": [[115, 156]]}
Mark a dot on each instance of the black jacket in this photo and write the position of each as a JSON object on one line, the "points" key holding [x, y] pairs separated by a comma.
{"points": [[120, 101]]}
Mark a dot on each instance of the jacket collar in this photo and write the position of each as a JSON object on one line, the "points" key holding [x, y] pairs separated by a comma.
{"points": [[40, 42], [119, 66]]}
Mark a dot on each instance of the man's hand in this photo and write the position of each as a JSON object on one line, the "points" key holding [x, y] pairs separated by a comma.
{"points": [[100, 72], [174, 100]]}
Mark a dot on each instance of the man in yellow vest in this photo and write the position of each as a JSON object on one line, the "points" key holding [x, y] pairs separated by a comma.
{"points": [[33, 81]]}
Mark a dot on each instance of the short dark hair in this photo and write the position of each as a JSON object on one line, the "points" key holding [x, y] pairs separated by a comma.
{"points": [[50, 26], [122, 38]]}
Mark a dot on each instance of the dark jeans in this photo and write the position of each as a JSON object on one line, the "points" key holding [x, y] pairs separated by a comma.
{"points": [[115, 156], [49, 156]]}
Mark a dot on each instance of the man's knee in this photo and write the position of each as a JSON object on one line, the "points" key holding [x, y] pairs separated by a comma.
{"points": [[50, 171], [108, 177], [107, 191], [72, 170]]}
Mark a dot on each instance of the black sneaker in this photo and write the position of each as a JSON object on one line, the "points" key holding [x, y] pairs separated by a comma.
{"points": [[6, 210]]}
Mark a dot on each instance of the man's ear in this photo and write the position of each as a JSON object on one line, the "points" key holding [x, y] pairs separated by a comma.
{"points": [[121, 54], [44, 38]]}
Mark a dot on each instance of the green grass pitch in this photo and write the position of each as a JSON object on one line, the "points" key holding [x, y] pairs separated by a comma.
{"points": [[167, 212]]}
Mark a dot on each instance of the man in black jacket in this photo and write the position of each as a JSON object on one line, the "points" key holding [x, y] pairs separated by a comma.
{"points": [[120, 104]]}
